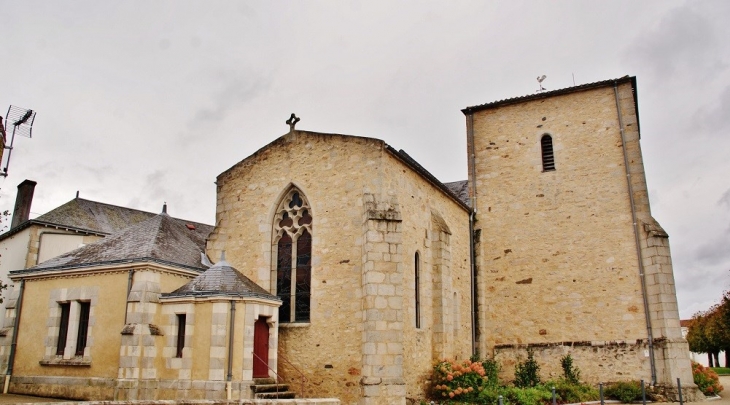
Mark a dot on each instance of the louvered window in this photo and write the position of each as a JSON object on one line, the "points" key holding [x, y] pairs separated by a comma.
{"points": [[548, 156]]}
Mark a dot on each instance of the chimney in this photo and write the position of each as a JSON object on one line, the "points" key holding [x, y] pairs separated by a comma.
{"points": [[21, 212]]}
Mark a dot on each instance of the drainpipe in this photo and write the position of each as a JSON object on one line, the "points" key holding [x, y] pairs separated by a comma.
{"points": [[471, 152], [16, 323], [473, 286], [129, 290], [230, 349], [642, 274]]}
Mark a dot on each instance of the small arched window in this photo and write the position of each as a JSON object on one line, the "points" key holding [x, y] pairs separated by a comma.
{"points": [[293, 247], [417, 285], [548, 157]]}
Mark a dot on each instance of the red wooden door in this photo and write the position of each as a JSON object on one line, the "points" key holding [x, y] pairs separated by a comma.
{"points": [[261, 349]]}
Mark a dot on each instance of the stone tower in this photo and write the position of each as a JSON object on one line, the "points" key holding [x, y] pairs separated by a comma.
{"points": [[569, 257]]}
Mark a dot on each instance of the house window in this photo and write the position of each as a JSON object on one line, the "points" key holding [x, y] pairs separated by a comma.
{"points": [[63, 328], [84, 309], [548, 157], [417, 271], [292, 248], [180, 335]]}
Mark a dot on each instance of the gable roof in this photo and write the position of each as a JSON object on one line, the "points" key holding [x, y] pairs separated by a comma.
{"points": [[90, 217], [161, 239], [221, 279]]}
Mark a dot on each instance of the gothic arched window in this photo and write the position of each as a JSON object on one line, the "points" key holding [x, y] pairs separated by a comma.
{"points": [[292, 246], [548, 157]]}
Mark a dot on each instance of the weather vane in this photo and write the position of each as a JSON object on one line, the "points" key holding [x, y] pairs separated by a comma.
{"points": [[292, 121], [539, 81]]}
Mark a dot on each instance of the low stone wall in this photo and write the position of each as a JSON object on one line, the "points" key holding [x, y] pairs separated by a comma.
{"points": [[78, 388], [599, 361]]}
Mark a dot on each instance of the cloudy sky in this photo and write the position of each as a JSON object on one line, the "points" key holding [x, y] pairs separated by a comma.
{"points": [[144, 102]]}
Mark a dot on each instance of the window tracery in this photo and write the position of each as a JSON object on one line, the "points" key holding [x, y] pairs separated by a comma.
{"points": [[292, 246]]}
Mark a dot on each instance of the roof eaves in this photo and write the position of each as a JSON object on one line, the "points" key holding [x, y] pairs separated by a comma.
{"points": [[32, 270], [547, 94], [30, 222], [410, 162]]}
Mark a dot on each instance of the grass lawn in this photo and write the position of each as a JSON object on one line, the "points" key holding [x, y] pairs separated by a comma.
{"points": [[721, 370]]}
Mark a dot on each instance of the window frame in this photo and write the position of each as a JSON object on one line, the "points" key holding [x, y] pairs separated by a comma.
{"points": [[547, 153]]}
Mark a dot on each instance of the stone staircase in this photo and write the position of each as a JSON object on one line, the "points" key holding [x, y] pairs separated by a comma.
{"points": [[268, 388]]}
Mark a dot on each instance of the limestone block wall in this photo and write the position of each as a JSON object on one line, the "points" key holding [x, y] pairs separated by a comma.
{"points": [[557, 251], [332, 171], [437, 228], [340, 176], [557, 248]]}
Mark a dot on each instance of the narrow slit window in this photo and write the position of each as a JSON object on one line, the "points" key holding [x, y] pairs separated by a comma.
{"points": [[63, 328], [181, 318], [84, 309], [548, 156], [417, 290]]}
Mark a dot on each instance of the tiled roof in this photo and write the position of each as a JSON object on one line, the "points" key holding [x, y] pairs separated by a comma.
{"points": [[221, 279], [160, 238], [546, 94], [460, 189]]}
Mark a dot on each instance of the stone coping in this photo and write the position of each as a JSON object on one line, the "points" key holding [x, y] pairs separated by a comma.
{"points": [[302, 401]]}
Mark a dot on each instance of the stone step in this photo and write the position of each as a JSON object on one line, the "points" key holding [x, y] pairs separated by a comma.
{"points": [[264, 381], [276, 395], [270, 388]]}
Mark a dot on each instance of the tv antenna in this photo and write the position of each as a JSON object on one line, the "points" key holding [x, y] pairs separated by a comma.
{"points": [[18, 121], [539, 81]]}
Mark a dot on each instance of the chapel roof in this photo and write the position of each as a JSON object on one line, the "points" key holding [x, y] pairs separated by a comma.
{"points": [[161, 239], [221, 279]]}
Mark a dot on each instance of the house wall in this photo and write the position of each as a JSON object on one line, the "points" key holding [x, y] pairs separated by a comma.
{"points": [[13, 251], [37, 369]]}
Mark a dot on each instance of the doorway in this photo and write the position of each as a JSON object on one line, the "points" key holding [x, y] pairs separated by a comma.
{"points": [[261, 348]]}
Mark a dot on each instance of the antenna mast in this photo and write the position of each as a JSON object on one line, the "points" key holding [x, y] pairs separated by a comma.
{"points": [[19, 121]]}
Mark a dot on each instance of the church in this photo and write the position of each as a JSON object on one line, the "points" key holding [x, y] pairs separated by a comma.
{"points": [[340, 265]]}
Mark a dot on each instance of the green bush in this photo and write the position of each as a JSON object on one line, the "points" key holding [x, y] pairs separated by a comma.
{"points": [[572, 393], [527, 373], [491, 371], [624, 391], [570, 372], [537, 395], [706, 379]]}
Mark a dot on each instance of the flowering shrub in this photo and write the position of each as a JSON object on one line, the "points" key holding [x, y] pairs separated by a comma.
{"points": [[461, 381], [706, 379]]}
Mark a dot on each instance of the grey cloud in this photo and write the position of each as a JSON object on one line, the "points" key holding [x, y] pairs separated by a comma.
{"points": [[683, 40], [715, 251], [725, 199], [715, 119], [235, 89]]}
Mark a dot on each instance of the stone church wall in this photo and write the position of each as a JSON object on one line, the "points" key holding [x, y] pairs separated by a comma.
{"points": [[333, 172], [557, 254]]}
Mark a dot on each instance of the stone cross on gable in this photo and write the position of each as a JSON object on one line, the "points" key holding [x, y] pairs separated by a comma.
{"points": [[292, 121]]}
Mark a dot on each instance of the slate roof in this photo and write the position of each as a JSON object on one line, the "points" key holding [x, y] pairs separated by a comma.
{"points": [[161, 239], [460, 189], [91, 217], [221, 279]]}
